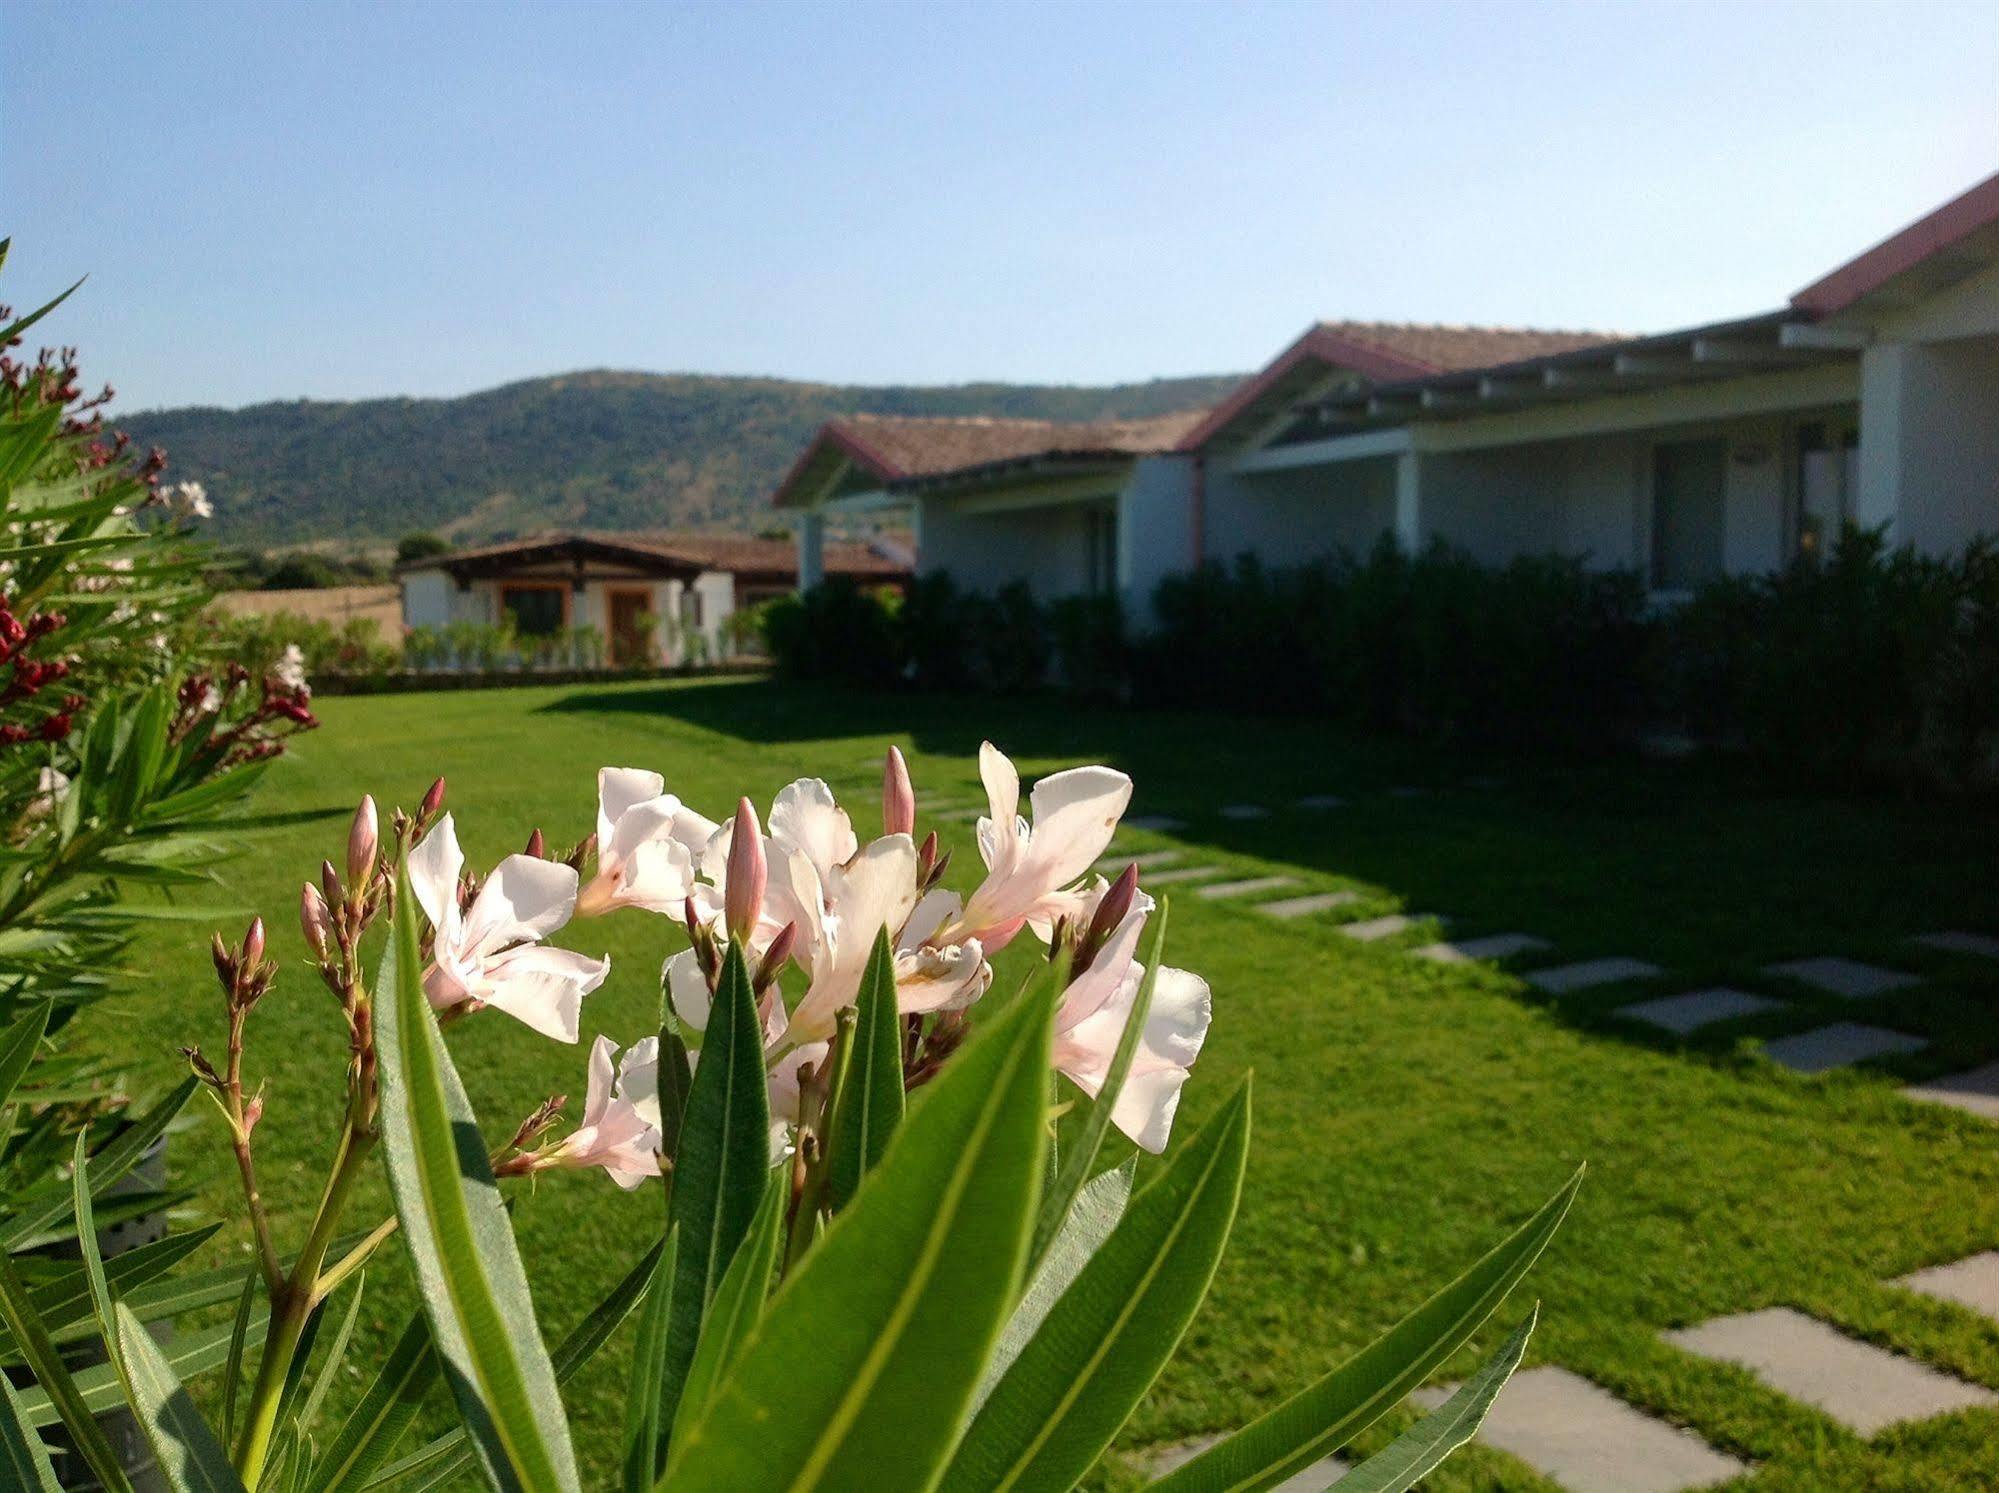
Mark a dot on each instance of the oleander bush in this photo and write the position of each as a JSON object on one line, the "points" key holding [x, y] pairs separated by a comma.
{"points": [[871, 1266]]}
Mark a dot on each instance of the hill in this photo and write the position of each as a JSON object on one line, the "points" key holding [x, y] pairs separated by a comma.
{"points": [[593, 449]]}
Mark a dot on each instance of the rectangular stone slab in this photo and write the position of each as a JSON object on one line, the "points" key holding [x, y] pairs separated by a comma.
{"points": [[1387, 927], [1160, 1460], [1244, 888], [1298, 907], [1110, 865], [1583, 1437], [1975, 1091], [1981, 944], [1471, 950], [1697, 1008], [1838, 1046], [1181, 873], [1159, 823], [1862, 1386], [1845, 977], [1971, 1282], [1564, 978]]}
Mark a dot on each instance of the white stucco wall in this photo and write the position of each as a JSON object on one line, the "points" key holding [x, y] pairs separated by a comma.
{"points": [[1047, 546], [1288, 517], [1155, 530], [1929, 441]]}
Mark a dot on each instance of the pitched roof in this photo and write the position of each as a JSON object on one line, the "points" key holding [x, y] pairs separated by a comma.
{"points": [[1965, 230], [892, 448], [1381, 352], [665, 553]]}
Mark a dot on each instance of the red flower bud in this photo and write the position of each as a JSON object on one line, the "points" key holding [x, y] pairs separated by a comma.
{"points": [[313, 919], [898, 796], [537, 847], [744, 900], [432, 800], [363, 840]]}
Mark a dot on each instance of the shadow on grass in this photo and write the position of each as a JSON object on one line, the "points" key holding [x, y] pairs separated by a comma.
{"points": [[1706, 872]]}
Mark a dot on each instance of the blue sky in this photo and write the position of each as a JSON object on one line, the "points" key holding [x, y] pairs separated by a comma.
{"points": [[347, 200]]}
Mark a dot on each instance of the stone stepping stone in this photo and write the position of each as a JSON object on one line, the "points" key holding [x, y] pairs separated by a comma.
{"points": [[1161, 1460], [1981, 944], [1322, 801], [1838, 1046], [1110, 865], [1976, 1092], [1374, 929], [1245, 811], [1845, 977], [1182, 873], [1856, 1383], [1580, 1435], [1698, 1008], [1471, 950], [1971, 1282], [1564, 978], [1300, 907], [1244, 888], [1157, 823]]}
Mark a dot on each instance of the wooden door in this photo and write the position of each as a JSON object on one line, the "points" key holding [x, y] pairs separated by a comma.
{"points": [[631, 639]]}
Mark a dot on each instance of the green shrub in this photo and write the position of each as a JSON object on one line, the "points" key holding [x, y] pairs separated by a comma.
{"points": [[836, 631], [1089, 638]]}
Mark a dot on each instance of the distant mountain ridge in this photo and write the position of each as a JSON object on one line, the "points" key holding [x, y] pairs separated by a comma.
{"points": [[597, 449]]}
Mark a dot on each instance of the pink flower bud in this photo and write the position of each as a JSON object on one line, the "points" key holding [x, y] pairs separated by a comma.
{"points": [[313, 919], [898, 796], [537, 847], [775, 956], [252, 1112], [1114, 904], [432, 800], [329, 882], [253, 944], [363, 840], [744, 900]]}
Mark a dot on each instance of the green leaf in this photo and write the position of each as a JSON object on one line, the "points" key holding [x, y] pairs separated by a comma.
{"points": [[373, 1427], [468, 1267], [441, 1460], [720, 1168], [1325, 1416], [1093, 1215], [188, 1354], [1084, 1372], [1082, 1156], [63, 1301], [738, 1303], [22, 1456], [330, 1365], [642, 1438], [870, 1099], [18, 1045], [49, 1205], [183, 1444], [59, 1392], [1414, 1454], [861, 1370]]}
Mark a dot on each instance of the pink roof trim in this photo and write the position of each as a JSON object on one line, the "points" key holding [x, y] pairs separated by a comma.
{"points": [[1903, 251], [1318, 344], [837, 434]]}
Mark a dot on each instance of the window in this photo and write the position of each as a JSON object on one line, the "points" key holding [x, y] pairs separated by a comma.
{"points": [[538, 609], [1689, 487], [1828, 472]]}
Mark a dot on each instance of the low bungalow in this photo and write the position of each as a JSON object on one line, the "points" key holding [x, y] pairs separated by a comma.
{"points": [[661, 598], [1871, 396]]}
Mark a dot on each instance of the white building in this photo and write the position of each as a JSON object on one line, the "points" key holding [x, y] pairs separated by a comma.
{"points": [[1872, 396], [652, 598]]}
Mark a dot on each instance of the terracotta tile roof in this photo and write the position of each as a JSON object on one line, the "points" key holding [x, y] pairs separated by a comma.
{"points": [[1380, 352], [924, 446], [686, 554], [891, 448], [1445, 349]]}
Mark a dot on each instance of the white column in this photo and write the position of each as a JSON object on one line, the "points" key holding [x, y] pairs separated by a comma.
{"points": [[1884, 377], [811, 549], [1409, 502]]}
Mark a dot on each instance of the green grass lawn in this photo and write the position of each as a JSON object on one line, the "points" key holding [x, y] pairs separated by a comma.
{"points": [[1406, 1113]]}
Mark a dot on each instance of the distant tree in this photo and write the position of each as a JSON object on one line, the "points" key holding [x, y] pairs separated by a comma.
{"points": [[301, 572], [421, 545]]}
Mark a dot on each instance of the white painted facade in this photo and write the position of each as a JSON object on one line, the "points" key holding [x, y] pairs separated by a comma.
{"points": [[693, 614], [1872, 399]]}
